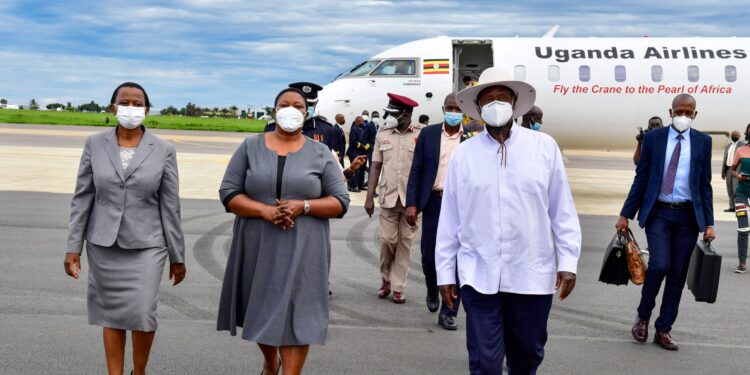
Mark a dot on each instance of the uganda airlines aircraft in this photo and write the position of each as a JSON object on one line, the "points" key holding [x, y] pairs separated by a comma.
{"points": [[594, 92]]}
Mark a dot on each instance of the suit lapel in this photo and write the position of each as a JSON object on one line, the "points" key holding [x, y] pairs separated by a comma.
{"points": [[113, 151], [436, 141], [661, 152], [694, 148], [145, 147]]}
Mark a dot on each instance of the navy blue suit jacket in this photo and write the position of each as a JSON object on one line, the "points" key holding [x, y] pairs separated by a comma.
{"points": [[650, 172], [424, 166]]}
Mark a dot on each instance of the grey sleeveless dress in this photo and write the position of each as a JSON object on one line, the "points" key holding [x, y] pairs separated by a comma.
{"points": [[276, 281]]}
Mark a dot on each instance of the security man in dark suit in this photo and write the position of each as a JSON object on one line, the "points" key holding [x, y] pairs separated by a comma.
{"points": [[358, 145], [315, 127], [424, 193], [672, 195], [339, 137]]}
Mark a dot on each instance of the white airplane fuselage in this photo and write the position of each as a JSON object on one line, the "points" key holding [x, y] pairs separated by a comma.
{"points": [[594, 92]]}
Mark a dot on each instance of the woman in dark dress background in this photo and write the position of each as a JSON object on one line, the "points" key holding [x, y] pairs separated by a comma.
{"points": [[283, 187]]}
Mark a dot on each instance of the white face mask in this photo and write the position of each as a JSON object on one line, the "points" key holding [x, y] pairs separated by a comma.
{"points": [[682, 123], [366, 117], [130, 117], [390, 122], [376, 120], [290, 119], [497, 113]]}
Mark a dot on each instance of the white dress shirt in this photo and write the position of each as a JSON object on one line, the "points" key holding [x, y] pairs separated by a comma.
{"points": [[507, 228]]}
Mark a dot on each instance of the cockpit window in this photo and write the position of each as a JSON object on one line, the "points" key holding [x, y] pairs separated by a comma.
{"points": [[396, 68], [362, 68]]}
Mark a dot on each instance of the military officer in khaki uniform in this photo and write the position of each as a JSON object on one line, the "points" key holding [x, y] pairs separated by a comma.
{"points": [[392, 155]]}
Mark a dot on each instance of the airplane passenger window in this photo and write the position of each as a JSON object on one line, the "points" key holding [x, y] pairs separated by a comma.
{"points": [[584, 73], [620, 73], [657, 73], [396, 67], [519, 73], [363, 68], [730, 73], [554, 73], [693, 73]]}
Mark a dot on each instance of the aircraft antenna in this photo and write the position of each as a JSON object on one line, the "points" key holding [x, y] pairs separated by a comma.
{"points": [[551, 32]]}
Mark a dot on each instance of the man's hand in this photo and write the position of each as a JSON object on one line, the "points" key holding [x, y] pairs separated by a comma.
{"points": [[723, 175], [449, 294], [369, 206], [357, 162], [566, 281], [622, 224], [177, 272], [73, 265], [709, 235], [411, 215]]}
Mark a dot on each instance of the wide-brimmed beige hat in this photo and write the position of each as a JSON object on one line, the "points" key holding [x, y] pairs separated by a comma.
{"points": [[525, 93]]}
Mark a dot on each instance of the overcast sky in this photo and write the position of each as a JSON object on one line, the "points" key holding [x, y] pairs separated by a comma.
{"points": [[227, 52]]}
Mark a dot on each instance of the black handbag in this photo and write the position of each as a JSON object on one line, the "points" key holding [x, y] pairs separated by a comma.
{"points": [[615, 265]]}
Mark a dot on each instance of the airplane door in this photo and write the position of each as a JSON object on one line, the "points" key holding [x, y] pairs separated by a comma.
{"points": [[470, 57]]}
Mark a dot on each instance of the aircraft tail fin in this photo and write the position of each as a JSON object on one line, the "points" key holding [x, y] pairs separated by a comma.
{"points": [[551, 32]]}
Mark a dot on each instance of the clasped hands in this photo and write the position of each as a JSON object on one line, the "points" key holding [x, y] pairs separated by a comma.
{"points": [[284, 213]]}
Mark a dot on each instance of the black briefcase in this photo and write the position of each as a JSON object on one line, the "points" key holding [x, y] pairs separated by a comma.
{"points": [[615, 264], [703, 272]]}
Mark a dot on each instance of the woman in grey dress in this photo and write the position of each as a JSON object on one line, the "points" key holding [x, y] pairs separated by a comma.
{"points": [[283, 187], [127, 208]]}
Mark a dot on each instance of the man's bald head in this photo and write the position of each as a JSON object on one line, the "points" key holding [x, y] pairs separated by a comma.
{"points": [[340, 119], [685, 99], [450, 104], [683, 105]]}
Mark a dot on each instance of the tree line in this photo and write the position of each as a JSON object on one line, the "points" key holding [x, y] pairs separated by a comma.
{"points": [[190, 109]]}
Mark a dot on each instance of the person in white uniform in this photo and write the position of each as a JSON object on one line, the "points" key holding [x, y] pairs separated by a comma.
{"points": [[508, 227]]}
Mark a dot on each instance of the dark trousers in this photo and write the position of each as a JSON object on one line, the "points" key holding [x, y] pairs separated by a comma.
{"points": [[505, 324], [671, 235], [358, 179], [430, 217]]}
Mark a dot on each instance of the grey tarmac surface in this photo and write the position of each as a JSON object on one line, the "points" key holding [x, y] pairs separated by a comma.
{"points": [[44, 329]]}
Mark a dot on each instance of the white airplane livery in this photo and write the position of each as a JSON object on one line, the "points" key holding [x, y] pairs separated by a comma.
{"points": [[594, 92]]}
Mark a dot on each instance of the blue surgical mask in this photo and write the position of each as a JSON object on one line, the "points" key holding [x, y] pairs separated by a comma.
{"points": [[536, 126], [453, 118], [310, 112]]}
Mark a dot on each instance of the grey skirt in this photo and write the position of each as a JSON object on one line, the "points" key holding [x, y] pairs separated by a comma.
{"points": [[124, 286]]}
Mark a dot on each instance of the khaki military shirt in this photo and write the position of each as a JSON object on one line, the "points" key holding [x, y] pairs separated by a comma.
{"points": [[395, 151]]}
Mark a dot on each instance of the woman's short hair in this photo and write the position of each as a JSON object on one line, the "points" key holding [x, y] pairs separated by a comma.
{"points": [[290, 89], [133, 85]]}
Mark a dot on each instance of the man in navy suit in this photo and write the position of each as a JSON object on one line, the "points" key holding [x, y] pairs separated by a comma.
{"points": [[435, 146], [672, 194]]}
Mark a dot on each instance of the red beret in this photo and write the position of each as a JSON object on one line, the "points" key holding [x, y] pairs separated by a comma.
{"points": [[400, 103]]}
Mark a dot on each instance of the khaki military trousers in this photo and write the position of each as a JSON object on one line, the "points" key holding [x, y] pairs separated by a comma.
{"points": [[396, 240]]}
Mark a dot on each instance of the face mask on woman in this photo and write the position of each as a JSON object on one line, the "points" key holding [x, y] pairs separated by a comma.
{"points": [[130, 117], [290, 119]]}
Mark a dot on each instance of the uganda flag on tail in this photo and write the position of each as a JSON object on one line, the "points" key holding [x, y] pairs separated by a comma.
{"points": [[436, 66]]}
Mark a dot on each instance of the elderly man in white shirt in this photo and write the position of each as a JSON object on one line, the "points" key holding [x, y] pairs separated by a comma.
{"points": [[508, 227]]}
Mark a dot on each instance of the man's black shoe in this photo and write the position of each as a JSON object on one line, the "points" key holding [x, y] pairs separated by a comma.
{"points": [[433, 303], [353, 190], [729, 210], [447, 322]]}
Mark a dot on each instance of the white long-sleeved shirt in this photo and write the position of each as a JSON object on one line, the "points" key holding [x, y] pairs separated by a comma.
{"points": [[507, 228]]}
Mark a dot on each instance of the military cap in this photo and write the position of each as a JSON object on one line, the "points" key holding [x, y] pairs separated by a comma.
{"points": [[400, 103], [309, 89]]}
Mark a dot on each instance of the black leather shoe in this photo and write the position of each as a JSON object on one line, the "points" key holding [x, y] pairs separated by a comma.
{"points": [[447, 322], [433, 303], [729, 210], [664, 340]]}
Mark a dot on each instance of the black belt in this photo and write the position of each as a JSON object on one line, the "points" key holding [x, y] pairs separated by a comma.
{"points": [[675, 205], [438, 193]]}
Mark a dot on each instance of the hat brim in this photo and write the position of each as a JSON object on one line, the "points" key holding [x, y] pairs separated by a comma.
{"points": [[525, 97]]}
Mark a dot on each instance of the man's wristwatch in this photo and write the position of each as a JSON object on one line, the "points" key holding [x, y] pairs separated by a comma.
{"points": [[307, 207]]}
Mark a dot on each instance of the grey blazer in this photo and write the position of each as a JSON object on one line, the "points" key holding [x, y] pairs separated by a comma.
{"points": [[138, 208]]}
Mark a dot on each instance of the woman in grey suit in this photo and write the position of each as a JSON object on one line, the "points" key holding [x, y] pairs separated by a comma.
{"points": [[127, 208], [282, 187]]}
